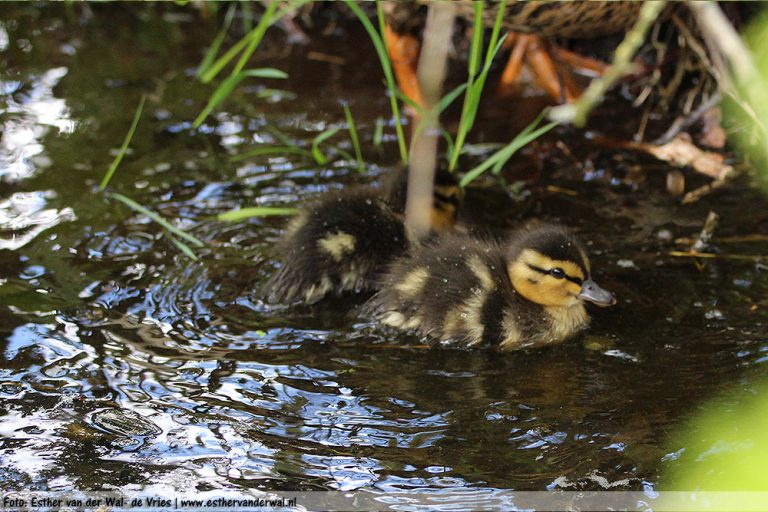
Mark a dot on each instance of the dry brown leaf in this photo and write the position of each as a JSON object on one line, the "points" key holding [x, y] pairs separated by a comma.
{"points": [[681, 151]]}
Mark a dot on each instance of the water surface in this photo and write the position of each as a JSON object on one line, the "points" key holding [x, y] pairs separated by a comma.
{"points": [[126, 363]]}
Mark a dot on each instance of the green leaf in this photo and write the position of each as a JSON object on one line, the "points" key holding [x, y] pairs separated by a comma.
{"points": [[519, 143], [226, 87], [386, 66], [446, 100], [475, 84], [181, 246], [124, 147], [281, 136], [353, 136], [205, 64], [251, 40], [320, 158], [256, 211], [157, 218], [500, 157], [378, 132]]}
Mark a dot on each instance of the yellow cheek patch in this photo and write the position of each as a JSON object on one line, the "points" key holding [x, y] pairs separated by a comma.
{"points": [[337, 245], [541, 288]]}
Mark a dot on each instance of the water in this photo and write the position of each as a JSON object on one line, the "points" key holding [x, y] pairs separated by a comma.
{"points": [[125, 363]]}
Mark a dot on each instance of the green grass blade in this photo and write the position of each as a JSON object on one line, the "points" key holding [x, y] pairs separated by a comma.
{"points": [[247, 16], [226, 87], [475, 84], [448, 141], [320, 158], [500, 157], [181, 246], [378, 132], [210, 55], [130, 203], [256, 211], [281, 136], [355, 140], [449, 98], [124, 147], [386, 66], [257, 35], [250, 40], [346, 156], [520, 142], [271, 150], [477, 43]]}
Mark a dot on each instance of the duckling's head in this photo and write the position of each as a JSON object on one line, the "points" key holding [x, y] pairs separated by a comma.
{"points": [[549, 266], [446, 201]]}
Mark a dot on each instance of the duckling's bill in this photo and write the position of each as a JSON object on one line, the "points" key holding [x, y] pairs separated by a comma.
{"points": [[591, 292]]}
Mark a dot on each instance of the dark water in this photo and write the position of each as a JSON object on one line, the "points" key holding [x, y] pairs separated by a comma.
{"points": [[126, 363]]}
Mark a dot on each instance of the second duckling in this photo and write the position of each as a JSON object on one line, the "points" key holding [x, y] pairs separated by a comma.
{"points": [[343, 241], [527, 292]]}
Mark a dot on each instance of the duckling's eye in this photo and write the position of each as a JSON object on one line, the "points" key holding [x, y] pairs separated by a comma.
{"points": [[557, 273]]}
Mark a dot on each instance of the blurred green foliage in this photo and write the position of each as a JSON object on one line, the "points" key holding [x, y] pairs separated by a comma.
{"points": [[726, 445]]}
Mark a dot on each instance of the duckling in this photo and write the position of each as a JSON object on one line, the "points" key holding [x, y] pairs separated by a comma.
{"points": [[343, 241], [526, 292]]}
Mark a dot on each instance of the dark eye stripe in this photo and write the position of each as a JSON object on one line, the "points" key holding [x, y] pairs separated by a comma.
{"points": [[572, 279], [447, 199]]}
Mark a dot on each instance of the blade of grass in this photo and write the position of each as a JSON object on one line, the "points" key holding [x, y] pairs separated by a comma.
{"points": [[475, 84], [271, 150], [258, 34], [500, 157], [378, 132], [355, 140], [346, 156], [124, 147], [320, 158], [386, 65], [448, 141], [210, 55], [250, 41], [476, 46], [226, 87], [181, 246], [130, 203], [281, 136], [520, 142], [449, 98], [247, 17], [255, 211]]}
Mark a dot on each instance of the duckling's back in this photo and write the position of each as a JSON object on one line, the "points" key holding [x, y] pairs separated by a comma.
{"points": [[458, 291], [340, 243]]}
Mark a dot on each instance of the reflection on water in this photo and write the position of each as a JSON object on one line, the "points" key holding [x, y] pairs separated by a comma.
{"points": [[33, 110], [125, 363]]}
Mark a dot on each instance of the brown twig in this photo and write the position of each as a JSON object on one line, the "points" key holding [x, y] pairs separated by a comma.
{"points": [[710, 224], [684, 122], [712, 256], [622, 65]]}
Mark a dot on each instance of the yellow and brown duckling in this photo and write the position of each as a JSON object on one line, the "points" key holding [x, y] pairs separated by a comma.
{"points": [[527, 292], [344, 240]]}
